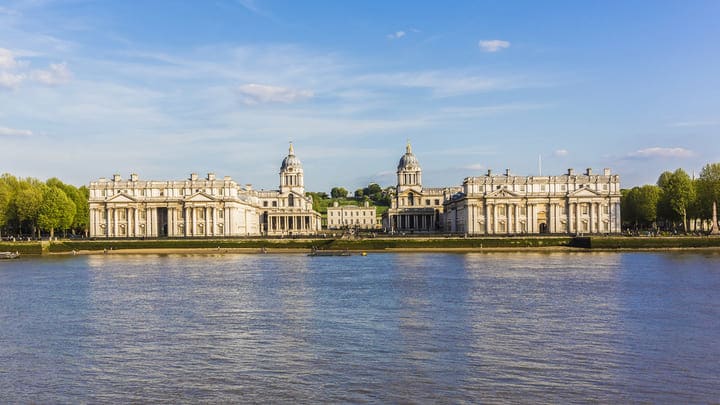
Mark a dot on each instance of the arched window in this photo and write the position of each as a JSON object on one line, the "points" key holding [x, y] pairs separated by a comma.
{"points": [[411, 199], [291, 200]]}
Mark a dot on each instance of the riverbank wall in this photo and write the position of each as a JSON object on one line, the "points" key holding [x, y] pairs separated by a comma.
{"points": [[450, 244]]}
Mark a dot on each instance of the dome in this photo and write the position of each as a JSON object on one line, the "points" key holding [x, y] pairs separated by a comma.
{"points": [[290, 161], [408, 161]]}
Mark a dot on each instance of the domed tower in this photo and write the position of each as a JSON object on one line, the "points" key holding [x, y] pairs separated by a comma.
{"points": [[291, 174], [409, 173]]}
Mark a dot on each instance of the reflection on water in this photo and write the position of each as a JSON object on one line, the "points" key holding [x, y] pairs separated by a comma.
{"points": [[536, 327]]}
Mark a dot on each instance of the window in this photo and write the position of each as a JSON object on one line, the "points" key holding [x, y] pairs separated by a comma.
{"points": [[606, 209], [143, 214], [274, 203], [291, 200], [584, 208], [427, 202], [605, 187], [542, 187], [501, 210], [201, 213], [122, 214], [437, 201], [265, 203], [221, 213]]}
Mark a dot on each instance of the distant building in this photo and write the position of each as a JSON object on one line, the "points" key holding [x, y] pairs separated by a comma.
{"points": [[414, 208], [351, 216], [197, 207], [511, 205]]}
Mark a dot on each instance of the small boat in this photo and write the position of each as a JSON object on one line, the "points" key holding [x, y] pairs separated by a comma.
{"points": [[316, 252], [9, 255]]}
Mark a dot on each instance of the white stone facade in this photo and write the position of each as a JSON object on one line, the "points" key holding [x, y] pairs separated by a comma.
{"points": [[513, 205], [414, 208], [206, 207], [351, 216]]}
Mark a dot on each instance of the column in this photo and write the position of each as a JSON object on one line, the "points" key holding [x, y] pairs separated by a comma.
{"points": [[208, 230], [193, 221], [115, 224], [487, 211]]}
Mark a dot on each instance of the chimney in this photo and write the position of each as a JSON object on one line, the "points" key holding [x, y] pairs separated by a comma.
{"points": [[211, 176], [489, 172], [588, 171], [227, 178], [606, 171], [571, 172], [133, 177], [507, 172], [193, 177], [116, 177], [248, 187]]}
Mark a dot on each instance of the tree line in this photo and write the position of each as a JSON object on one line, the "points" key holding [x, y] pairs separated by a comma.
{"points": [[29, 207], [676, 202]]}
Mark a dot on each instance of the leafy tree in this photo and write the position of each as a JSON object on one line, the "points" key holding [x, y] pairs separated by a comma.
{"points": [[639, 205], [708, 189], [27, 202], [57, 211], [678, 194], [359, 193], [338, 192]]}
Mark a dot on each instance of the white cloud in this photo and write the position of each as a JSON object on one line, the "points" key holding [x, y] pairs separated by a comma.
{"points": [[4, 131], [561, 152], [396, 35], [474, 166], [14, 72], [493, 45], [258, 93], [7, 59], [57, 74], [10, 80], [661, 152]]}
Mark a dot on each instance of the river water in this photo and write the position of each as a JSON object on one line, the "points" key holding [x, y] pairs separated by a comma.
{"points": [[386, 328]]}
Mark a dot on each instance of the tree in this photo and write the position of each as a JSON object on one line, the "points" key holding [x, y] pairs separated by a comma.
{"points": [[27, 202], [639, 205], [708, 189], [57, 211], [678, 194], [359, 193], [338, 192]]}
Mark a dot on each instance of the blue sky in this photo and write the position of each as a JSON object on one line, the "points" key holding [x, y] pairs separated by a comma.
{"points": [[166, 88]]}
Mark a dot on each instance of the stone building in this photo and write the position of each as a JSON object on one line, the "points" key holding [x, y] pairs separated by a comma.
{"points": [[351, 216], [196, 207], [510, 205], [414, 208]]}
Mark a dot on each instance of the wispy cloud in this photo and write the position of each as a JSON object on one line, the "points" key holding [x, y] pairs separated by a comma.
{"points": [[474, 167], [14, 72], [659, 152], [694, 123], [396, 35], [561, 152], [259, 94], [443, 83], [5, 131], [57, 74], [493, 45]]}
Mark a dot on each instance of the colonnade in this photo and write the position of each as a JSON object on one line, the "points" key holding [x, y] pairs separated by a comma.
{"points": [[413, 222], [281, 224], [520, 217]]}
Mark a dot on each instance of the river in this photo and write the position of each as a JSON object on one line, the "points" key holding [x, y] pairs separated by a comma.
{"points": [[386, 328]]}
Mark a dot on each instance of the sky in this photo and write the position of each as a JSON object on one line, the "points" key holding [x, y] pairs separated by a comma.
{"points": [[166, 88]]}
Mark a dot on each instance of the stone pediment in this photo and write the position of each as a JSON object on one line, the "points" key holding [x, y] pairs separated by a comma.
{"points": [[200, 197], [502, 193], [584, 192], [121, 198]]}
